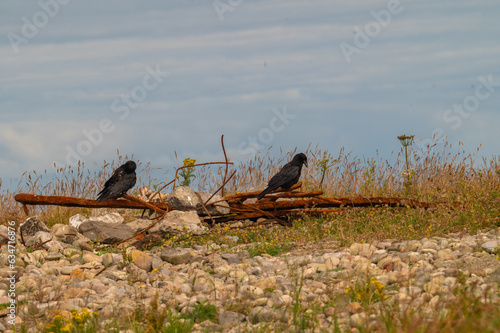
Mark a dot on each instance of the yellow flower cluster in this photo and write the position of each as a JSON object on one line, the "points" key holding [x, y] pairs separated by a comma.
{"points": [[78, 320], [188, 161], [370, 292]]}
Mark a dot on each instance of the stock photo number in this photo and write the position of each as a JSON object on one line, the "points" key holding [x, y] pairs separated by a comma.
{"points": [[11, 261]]}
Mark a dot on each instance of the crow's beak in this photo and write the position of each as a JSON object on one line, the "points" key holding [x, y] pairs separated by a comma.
{"points": [[305, 163]]}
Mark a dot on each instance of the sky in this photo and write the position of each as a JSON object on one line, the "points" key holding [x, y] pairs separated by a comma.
{"points": [[82, 79]]}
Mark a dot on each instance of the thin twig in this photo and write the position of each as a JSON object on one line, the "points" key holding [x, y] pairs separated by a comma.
{"points": [[21, 234], [227, 164], [102, 270], [42, 244], [159, 191], [158, 219], [204, 207], [282, 222], [147, 204], [234, 172], [195, 165]]}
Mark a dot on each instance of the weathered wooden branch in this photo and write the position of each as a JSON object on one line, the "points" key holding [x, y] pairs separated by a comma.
{"points": [[310, 203], [255, 194], [291, 204], [278, 213], [34, 199], [378, 201]]}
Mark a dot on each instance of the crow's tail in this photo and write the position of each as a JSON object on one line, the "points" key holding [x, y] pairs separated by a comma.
{"points": [[263, 193]]}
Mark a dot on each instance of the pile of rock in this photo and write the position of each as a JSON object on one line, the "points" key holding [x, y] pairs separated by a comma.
{"points": [[58, 270], [110, 228], [425, 273]]}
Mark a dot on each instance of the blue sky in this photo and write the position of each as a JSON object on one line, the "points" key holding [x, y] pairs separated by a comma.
{"points": [[83, 79]]}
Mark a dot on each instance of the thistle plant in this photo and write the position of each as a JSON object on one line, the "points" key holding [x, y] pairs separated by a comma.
{"points": [[406, 141], [187, 174]]}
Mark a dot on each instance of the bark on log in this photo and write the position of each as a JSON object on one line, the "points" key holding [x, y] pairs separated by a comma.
{"points": [[277, 214], [246, 195], [34, 199]]}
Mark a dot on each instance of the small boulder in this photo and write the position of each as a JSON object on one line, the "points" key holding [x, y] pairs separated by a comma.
{"points": [[44, 240], [177, 222], [4, 235], [139, 224], [230, 317], [490, 246], [64, 233], [33, 225], [111, 218], [176, 256], [141, 260], [107, 233], [136, 274], [76, 220], [183, 198], [109, 259], [213, 210]]}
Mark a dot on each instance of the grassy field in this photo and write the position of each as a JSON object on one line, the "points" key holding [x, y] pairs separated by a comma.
{"points": [[434, 175]]}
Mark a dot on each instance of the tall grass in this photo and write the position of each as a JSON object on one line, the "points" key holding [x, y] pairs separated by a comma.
{"points": [[438, 175]]}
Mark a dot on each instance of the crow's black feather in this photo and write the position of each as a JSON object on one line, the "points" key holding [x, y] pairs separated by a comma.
{"points": [[122, 180], [287, 176]]}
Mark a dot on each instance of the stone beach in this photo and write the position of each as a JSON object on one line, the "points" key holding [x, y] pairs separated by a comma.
{"points": [[321, 279]]}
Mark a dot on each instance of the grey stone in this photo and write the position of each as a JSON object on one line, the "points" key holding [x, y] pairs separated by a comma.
{"points": [[213, 210], [64, 233], [85, 246], [44, 240], [114, 274], [139, 224], [112, 218], [66, 270], [141, 260], [261, 314], [364, 250], [230, 317], [494, 277], [430, 245], [33, 225], [107, 233], [358, 319], [136, 273], [479, 261], [4, 235], [490, 246], [177, 222], [76, 220], [376, 257], [109, 259], [52, 256], [176, 256], [183, 198], [231, 258]]}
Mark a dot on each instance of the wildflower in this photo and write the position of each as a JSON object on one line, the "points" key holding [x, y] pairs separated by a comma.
{"points": [[67, 328]]}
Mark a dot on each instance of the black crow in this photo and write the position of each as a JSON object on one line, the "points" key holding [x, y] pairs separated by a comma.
{"points": [[122, 180], [287, 176]]}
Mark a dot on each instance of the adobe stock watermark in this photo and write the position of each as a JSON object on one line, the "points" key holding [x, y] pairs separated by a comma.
{"points": [[363, 36], [31, 27], [223, 6], [120, 107], [460, 111], [265, 136]]}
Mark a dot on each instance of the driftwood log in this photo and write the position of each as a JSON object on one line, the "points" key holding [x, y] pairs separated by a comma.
{"points": [[135, 203], [242, 205]]}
